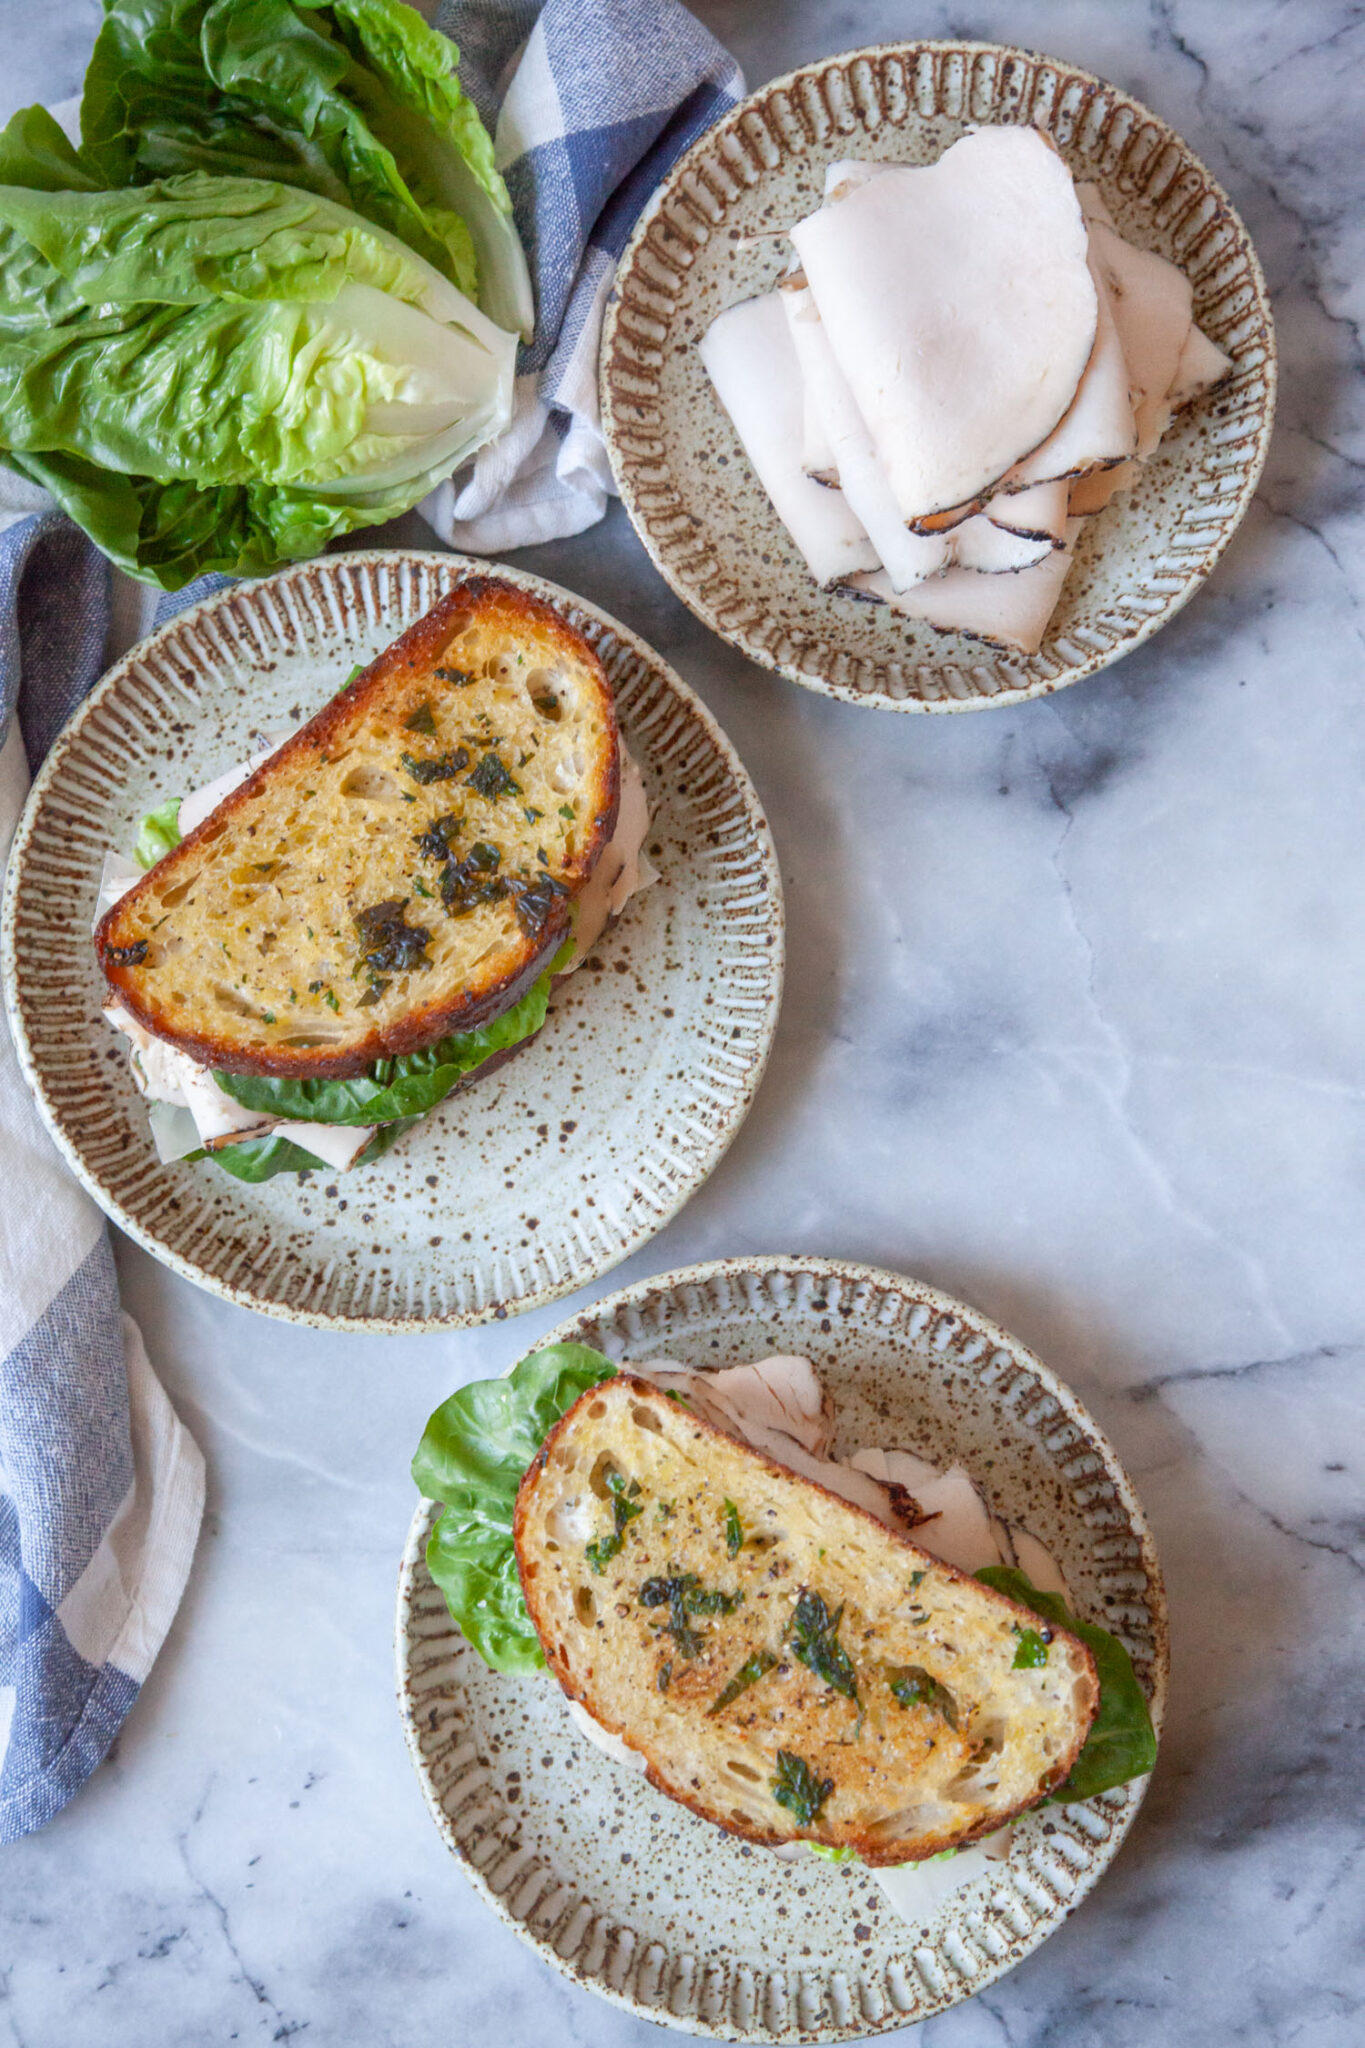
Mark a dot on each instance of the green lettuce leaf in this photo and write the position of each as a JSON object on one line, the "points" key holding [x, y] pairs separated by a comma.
{"points": [[212, 425], [35, 156], [192, 240], [234, 331], [157, 833], [1121, 1743], [472, 1456], [407, 1086], [415, 107], [168, 534], [258, 1159], [36, 153], [357, 100]]}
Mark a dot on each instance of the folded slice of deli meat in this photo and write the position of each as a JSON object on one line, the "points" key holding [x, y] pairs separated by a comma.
{"points": [[1008, 611], [906, 557], [748, 355], [960, 306], [1153, 309], [1098, 428]]}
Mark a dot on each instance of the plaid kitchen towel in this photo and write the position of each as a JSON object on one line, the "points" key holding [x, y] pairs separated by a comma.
{"points": [[590, 101], [101, 1489]]}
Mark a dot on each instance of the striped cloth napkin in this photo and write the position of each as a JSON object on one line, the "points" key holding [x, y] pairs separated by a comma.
{"points": [[101, 1489], [589, 105]]}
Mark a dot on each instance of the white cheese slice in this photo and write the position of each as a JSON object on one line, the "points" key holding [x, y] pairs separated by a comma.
{"points": [[917, 1890], [117, 877], [173, 1131], [601, 1738]]}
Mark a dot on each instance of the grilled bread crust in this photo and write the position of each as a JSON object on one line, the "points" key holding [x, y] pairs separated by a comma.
{"points": [[454, 799], [965, 1743]]}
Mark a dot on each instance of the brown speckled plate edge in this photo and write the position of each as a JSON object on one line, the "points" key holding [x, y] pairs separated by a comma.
{"points": [[475, 1788], [685, 720], [860, 102]]}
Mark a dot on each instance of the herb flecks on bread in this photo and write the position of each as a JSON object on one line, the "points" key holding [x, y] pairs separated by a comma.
{"points": [[401, 869], [821, 1679]]}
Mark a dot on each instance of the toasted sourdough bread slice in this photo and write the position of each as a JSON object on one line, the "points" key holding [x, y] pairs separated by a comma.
{"points": [[402, 868], [751, 1634]]}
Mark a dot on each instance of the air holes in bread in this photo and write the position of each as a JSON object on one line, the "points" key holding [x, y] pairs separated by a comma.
{"points": [[584, 1605], [549, 694], [645, 1418], [597, 1478], [569, 773], [745, 1771], [228, 999], [373, 784]]}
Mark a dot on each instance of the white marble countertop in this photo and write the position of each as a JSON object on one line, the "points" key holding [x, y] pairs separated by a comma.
{"points": [[1073, 1029]]}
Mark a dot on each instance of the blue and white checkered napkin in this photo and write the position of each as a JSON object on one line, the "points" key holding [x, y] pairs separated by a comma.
{"points": [[101, 1489], [590, 102]]}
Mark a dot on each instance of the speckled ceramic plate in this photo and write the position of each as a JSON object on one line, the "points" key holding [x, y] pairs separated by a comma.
{"points": [[656, 1910], [688, 486], [541, 1176]]}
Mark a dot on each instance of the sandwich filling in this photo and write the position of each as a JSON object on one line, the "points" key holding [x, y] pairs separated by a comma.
{"points": [[193, 1110]]}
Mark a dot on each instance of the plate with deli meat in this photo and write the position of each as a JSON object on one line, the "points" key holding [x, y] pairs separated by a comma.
{"points": [[392, 942], [938, 375], [830, 1610]]}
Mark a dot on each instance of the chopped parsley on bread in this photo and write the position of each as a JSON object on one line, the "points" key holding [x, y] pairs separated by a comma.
{"points": [[789, 1667], [314, 950]]}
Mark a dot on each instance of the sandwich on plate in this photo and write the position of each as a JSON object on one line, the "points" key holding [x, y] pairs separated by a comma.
{"points": [[849, 1656], [334, 936]]}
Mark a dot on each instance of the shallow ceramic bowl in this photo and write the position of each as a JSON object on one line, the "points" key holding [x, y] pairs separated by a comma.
{"points": [[541, 1176], [648, 1906], [688, 486]]}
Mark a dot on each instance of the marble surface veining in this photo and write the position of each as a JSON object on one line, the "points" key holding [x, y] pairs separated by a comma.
{"points": [[1073, 1029]]}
